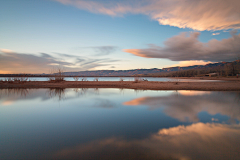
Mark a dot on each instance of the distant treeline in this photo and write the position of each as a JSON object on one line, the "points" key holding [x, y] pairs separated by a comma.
{"points": [[229, 69]]}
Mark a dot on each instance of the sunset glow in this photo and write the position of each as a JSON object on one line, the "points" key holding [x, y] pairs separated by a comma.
{"points": [[85, 35]]}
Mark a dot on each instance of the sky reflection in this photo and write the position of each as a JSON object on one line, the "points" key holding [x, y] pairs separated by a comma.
{"points": [[118, 124], [196, 141], [185, 105]]}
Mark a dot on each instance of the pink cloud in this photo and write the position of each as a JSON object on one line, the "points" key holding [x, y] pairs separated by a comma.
{"points": [[184, 47], [198, 15]]}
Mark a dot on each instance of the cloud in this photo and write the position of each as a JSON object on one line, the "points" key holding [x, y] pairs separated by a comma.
{"points": [[186, 105], [190, 63], [93, 63], [195, 14], [19, 62], [214, 34], [6, 51], [185, 48], [97, 50], [104, 50], [13, 62], [196, 141]]}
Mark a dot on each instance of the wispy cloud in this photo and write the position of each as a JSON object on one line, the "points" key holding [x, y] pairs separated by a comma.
{"points": [[184, 48], [104, 50], [214, 34], [97, 50], [196, 14], [13, 62]]}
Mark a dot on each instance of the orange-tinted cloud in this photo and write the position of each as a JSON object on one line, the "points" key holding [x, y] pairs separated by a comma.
{"points": [[190, 63], [184, 47], [196, 14]]}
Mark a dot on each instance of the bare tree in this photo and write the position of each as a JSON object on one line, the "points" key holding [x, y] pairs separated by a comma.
{"points": [[226, 68]]}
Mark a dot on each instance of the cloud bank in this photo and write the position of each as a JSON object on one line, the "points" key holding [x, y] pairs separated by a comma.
{"points": [[195, 14], [13, 62], [184, 47]]}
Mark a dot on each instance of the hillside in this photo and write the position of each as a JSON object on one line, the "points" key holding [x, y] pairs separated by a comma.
{"points": [[222, 68]]}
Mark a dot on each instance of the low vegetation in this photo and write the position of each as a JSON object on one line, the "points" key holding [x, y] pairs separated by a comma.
{"points": [[76, 78], [56, 74], [139, 79], [96, 79]]}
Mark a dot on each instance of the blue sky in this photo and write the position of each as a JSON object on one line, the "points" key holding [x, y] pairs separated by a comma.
{"points": [[119, 35]]}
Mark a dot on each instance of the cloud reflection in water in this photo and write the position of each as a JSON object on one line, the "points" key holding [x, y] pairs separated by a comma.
{"points": [[186, 105], [196, 141]]}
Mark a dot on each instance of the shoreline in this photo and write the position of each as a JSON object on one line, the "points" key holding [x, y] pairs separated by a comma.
{"points": [[143, 85], [210, 78]]}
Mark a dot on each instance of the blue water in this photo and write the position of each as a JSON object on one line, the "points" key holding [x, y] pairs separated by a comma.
{"points": [[118, 124]]}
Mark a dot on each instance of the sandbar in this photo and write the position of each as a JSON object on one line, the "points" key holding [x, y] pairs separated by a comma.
{"points": [[143, 85]]}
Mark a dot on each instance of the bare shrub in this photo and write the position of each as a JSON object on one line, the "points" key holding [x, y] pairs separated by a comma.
{"points": [[57, 74], [23, 78], [84, 79], [9, 79], [121, 79], [96, 79], [76, 78], [137, 80]]}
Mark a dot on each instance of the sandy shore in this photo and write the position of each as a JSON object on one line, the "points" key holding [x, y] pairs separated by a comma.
{"points": [[204, 86]]}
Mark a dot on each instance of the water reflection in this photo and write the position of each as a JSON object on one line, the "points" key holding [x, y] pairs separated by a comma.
{"points": [[186, 105], [118, 124], [13, 92], [196, 141], [56, 92], [44, 94]]}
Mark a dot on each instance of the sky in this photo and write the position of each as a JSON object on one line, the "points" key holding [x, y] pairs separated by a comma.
{"points": [[79, 35]]}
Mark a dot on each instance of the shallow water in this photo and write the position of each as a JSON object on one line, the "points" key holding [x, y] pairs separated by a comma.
{"points": [[160, 79], [118, 124]]}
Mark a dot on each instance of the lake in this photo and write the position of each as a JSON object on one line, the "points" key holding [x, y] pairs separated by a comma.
{"points": [[117, 124], [161, 79]]}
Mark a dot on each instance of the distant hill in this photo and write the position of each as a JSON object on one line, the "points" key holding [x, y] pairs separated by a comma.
{"points": [[144, 72], [211, 67]]}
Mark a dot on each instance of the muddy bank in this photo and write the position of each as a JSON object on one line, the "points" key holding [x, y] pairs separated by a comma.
{"points": [[204, 86]]}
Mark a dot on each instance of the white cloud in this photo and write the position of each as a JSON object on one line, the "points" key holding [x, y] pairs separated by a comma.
{"points": [[6, 51], [214, 34], [196, 14]]}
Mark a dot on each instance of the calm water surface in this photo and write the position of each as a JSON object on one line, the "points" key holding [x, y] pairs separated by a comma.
{"points": [[118, 124]]}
